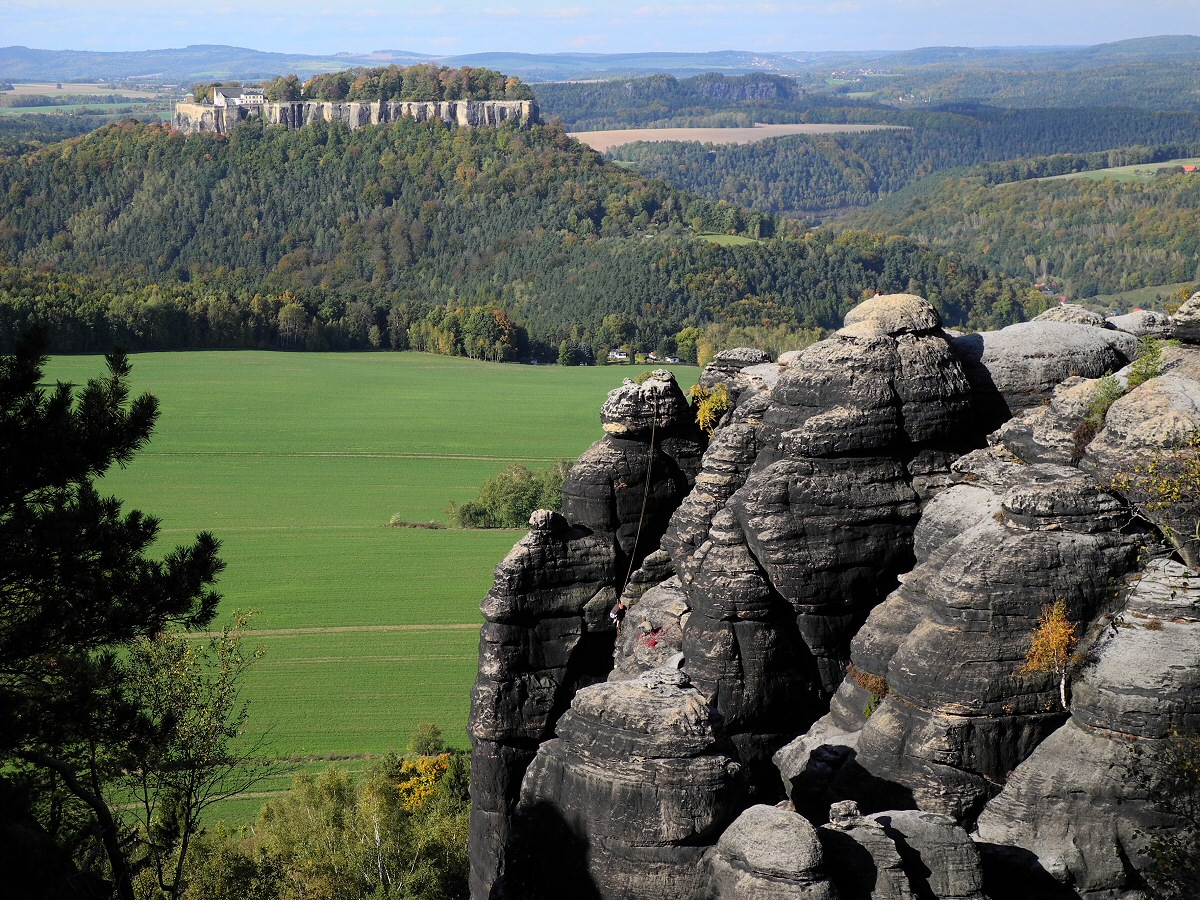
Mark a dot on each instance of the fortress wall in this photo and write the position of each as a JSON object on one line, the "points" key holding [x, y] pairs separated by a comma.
{"points": [[200, 117]]}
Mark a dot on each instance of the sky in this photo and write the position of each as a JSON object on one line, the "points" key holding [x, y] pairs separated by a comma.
{"points": [[548, 26]]}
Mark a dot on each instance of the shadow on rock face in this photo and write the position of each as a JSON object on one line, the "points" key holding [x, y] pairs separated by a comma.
{"points": [[1013, 873], [550, 867], [856, 871], [987, 400], [872, 792]]}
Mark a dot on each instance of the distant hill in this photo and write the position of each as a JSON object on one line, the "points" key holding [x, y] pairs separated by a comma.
{"points": [[203, 61], [1091, 236], [198, 62], [211, 61], [414, 234]]}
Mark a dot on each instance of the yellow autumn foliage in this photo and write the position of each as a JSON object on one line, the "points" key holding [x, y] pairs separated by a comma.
{"points": [[418, 778], [711, 404], [1050, 647]]}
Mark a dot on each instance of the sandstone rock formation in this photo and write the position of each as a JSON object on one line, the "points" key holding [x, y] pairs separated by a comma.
{"points": [[1185, 324], [741, 370], [1142, 323], [900, 854], [950, 719], [1073, 313], [1074, 808], [842, 591], [1149, 436], [778, 568], [624, 800], [546, 631], [191, 118], [1019, 366], [768, 854]]}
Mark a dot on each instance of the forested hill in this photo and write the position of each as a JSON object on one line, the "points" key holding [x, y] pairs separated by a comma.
{"points": [[411, 234], [806, 174], [1094, 235], [904, 99], [661, 100]]}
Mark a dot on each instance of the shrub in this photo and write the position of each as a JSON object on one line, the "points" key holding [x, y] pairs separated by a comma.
{"points": [[398, 521], [1168, 772], [876, 685], [426, 739], [1148, 363], [509, 498], [1164, 489], [1108, 392], [710, 403]]}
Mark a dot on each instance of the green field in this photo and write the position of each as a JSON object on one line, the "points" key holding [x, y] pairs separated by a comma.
{"points": [[727, 240], [296, 462], [141, 110], [1153, 297], [53, 89], [1141, 172]]}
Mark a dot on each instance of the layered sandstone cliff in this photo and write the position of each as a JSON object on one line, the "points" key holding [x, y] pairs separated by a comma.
{"points": [[817, 691], [191, 118]]}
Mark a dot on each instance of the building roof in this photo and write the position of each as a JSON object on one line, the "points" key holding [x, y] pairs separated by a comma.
{"points": [[231, 93]]}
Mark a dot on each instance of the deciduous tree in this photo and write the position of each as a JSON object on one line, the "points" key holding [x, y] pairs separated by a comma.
{"points": [[1051, 645]]}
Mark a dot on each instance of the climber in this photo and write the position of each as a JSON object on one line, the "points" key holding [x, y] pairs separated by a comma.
{"points": [[617, 615]]}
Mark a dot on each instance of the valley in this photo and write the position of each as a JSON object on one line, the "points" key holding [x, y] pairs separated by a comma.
{"points": [[884, 588], [368, 630]]}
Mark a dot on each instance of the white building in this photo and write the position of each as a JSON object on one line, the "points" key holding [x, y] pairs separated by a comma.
{"points": [[227, 96]]}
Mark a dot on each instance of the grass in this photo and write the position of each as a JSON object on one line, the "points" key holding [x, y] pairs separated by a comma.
{"points": [[296, 462], [1153, 297], [1140, 172], [137, 109], [51, 89], [606, 140], [367, 690], [727, 240]]}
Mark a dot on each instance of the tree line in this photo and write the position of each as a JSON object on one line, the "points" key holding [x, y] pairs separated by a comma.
{"points": [[493, 242], [811, 175], [20, 134], [1132, 84], [664, 100], [424, 82], [1093, 236]]}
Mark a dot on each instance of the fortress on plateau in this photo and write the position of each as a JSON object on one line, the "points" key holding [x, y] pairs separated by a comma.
{"points": [[191, 117]]}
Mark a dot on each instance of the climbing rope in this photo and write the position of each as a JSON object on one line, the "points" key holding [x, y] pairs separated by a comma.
{"points": [[645, 497]]}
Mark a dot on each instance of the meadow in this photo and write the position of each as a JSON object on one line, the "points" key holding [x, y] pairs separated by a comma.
{"points": [[296, 462], [1153, 297], [1139, 172], [143, 111], [606, 140], [53, 89], [727, 240]]}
